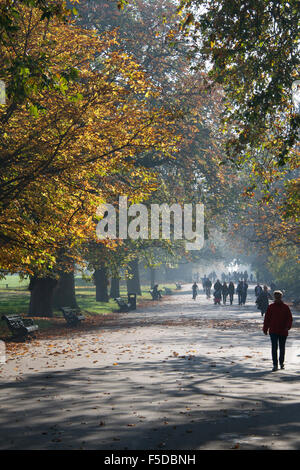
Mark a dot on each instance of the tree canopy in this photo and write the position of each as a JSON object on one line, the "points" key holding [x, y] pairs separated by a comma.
{"points": [[252, 48], [174, 101], [69, 145]]}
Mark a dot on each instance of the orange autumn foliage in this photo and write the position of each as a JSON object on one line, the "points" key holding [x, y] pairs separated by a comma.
{"points": [[68, 146]]}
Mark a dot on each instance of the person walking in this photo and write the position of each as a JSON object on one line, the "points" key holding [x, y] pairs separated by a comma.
{"points": [[258, 290], [224, 292], [239, 291], [195, 290], [262, 300], [208, 285], [278, 321], [244, 292], [231, 292], [217, 292]]}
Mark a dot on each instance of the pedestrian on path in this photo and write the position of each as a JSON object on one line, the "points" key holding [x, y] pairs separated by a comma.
{"points": [[195, 290], [239, 291], [208, 285], [224, 292], [217, 292], [278, 321], [231, 291], [262, 300], [258, 290], [244, 292]]}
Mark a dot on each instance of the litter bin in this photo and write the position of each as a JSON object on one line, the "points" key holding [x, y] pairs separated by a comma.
{"points": [[132, 301]]}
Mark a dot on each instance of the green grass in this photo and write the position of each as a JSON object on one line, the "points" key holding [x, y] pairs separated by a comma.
{"points": [[14, 299], [13, 282]]}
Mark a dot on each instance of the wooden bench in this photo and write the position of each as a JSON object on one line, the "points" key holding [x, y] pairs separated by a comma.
{"points": [[126, 305], [168, 291], [72, 315], [20, 327]]}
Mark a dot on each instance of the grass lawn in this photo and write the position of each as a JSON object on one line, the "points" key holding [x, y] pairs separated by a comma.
{"points": [[14, 298]]}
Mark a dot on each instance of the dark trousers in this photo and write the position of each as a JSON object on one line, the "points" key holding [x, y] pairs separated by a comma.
{"points": [[230, 298], [278, 340]]}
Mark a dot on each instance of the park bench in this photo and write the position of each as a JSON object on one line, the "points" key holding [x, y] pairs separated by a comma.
{"points": [[20, 327], [168, 291], [155, 295], [72, 315], [126, 306]]}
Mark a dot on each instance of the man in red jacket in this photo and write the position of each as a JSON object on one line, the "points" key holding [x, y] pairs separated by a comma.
{"points": [[278, 320]]}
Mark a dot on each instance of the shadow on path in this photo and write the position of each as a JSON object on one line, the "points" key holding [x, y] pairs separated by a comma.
{"points": [[150, 405]]}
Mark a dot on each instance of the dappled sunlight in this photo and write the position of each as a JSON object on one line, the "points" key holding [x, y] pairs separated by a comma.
{"points": [[147, 379]]}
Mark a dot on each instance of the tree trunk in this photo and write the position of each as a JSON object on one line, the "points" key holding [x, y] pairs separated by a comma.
{"points": [[101, 282], [115, 288], [64, 292], [41, 296], [133, 284], [152, 277]]}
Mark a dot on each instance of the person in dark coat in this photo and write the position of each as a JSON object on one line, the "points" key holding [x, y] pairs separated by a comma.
{"points": [[244, 292], [217, 292], [231, 292], [239, 291], [262, 300], [195, 290], [258, 290], [156, 292], [278, 321], [208, 285], [224, 292]]}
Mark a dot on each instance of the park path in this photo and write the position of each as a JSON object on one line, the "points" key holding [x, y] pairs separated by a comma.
{"points": [[175, 374]]}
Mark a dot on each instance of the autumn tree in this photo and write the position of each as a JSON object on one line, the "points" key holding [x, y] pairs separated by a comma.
{"points": [[66, 146], [250, 49], [267, 234], [147, 30]]}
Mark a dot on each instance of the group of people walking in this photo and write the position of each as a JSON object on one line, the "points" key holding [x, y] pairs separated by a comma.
{"points": [[223, 291], [277, 316]]}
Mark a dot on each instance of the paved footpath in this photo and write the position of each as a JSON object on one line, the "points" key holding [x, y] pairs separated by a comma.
{"points": [[176, 374]]}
